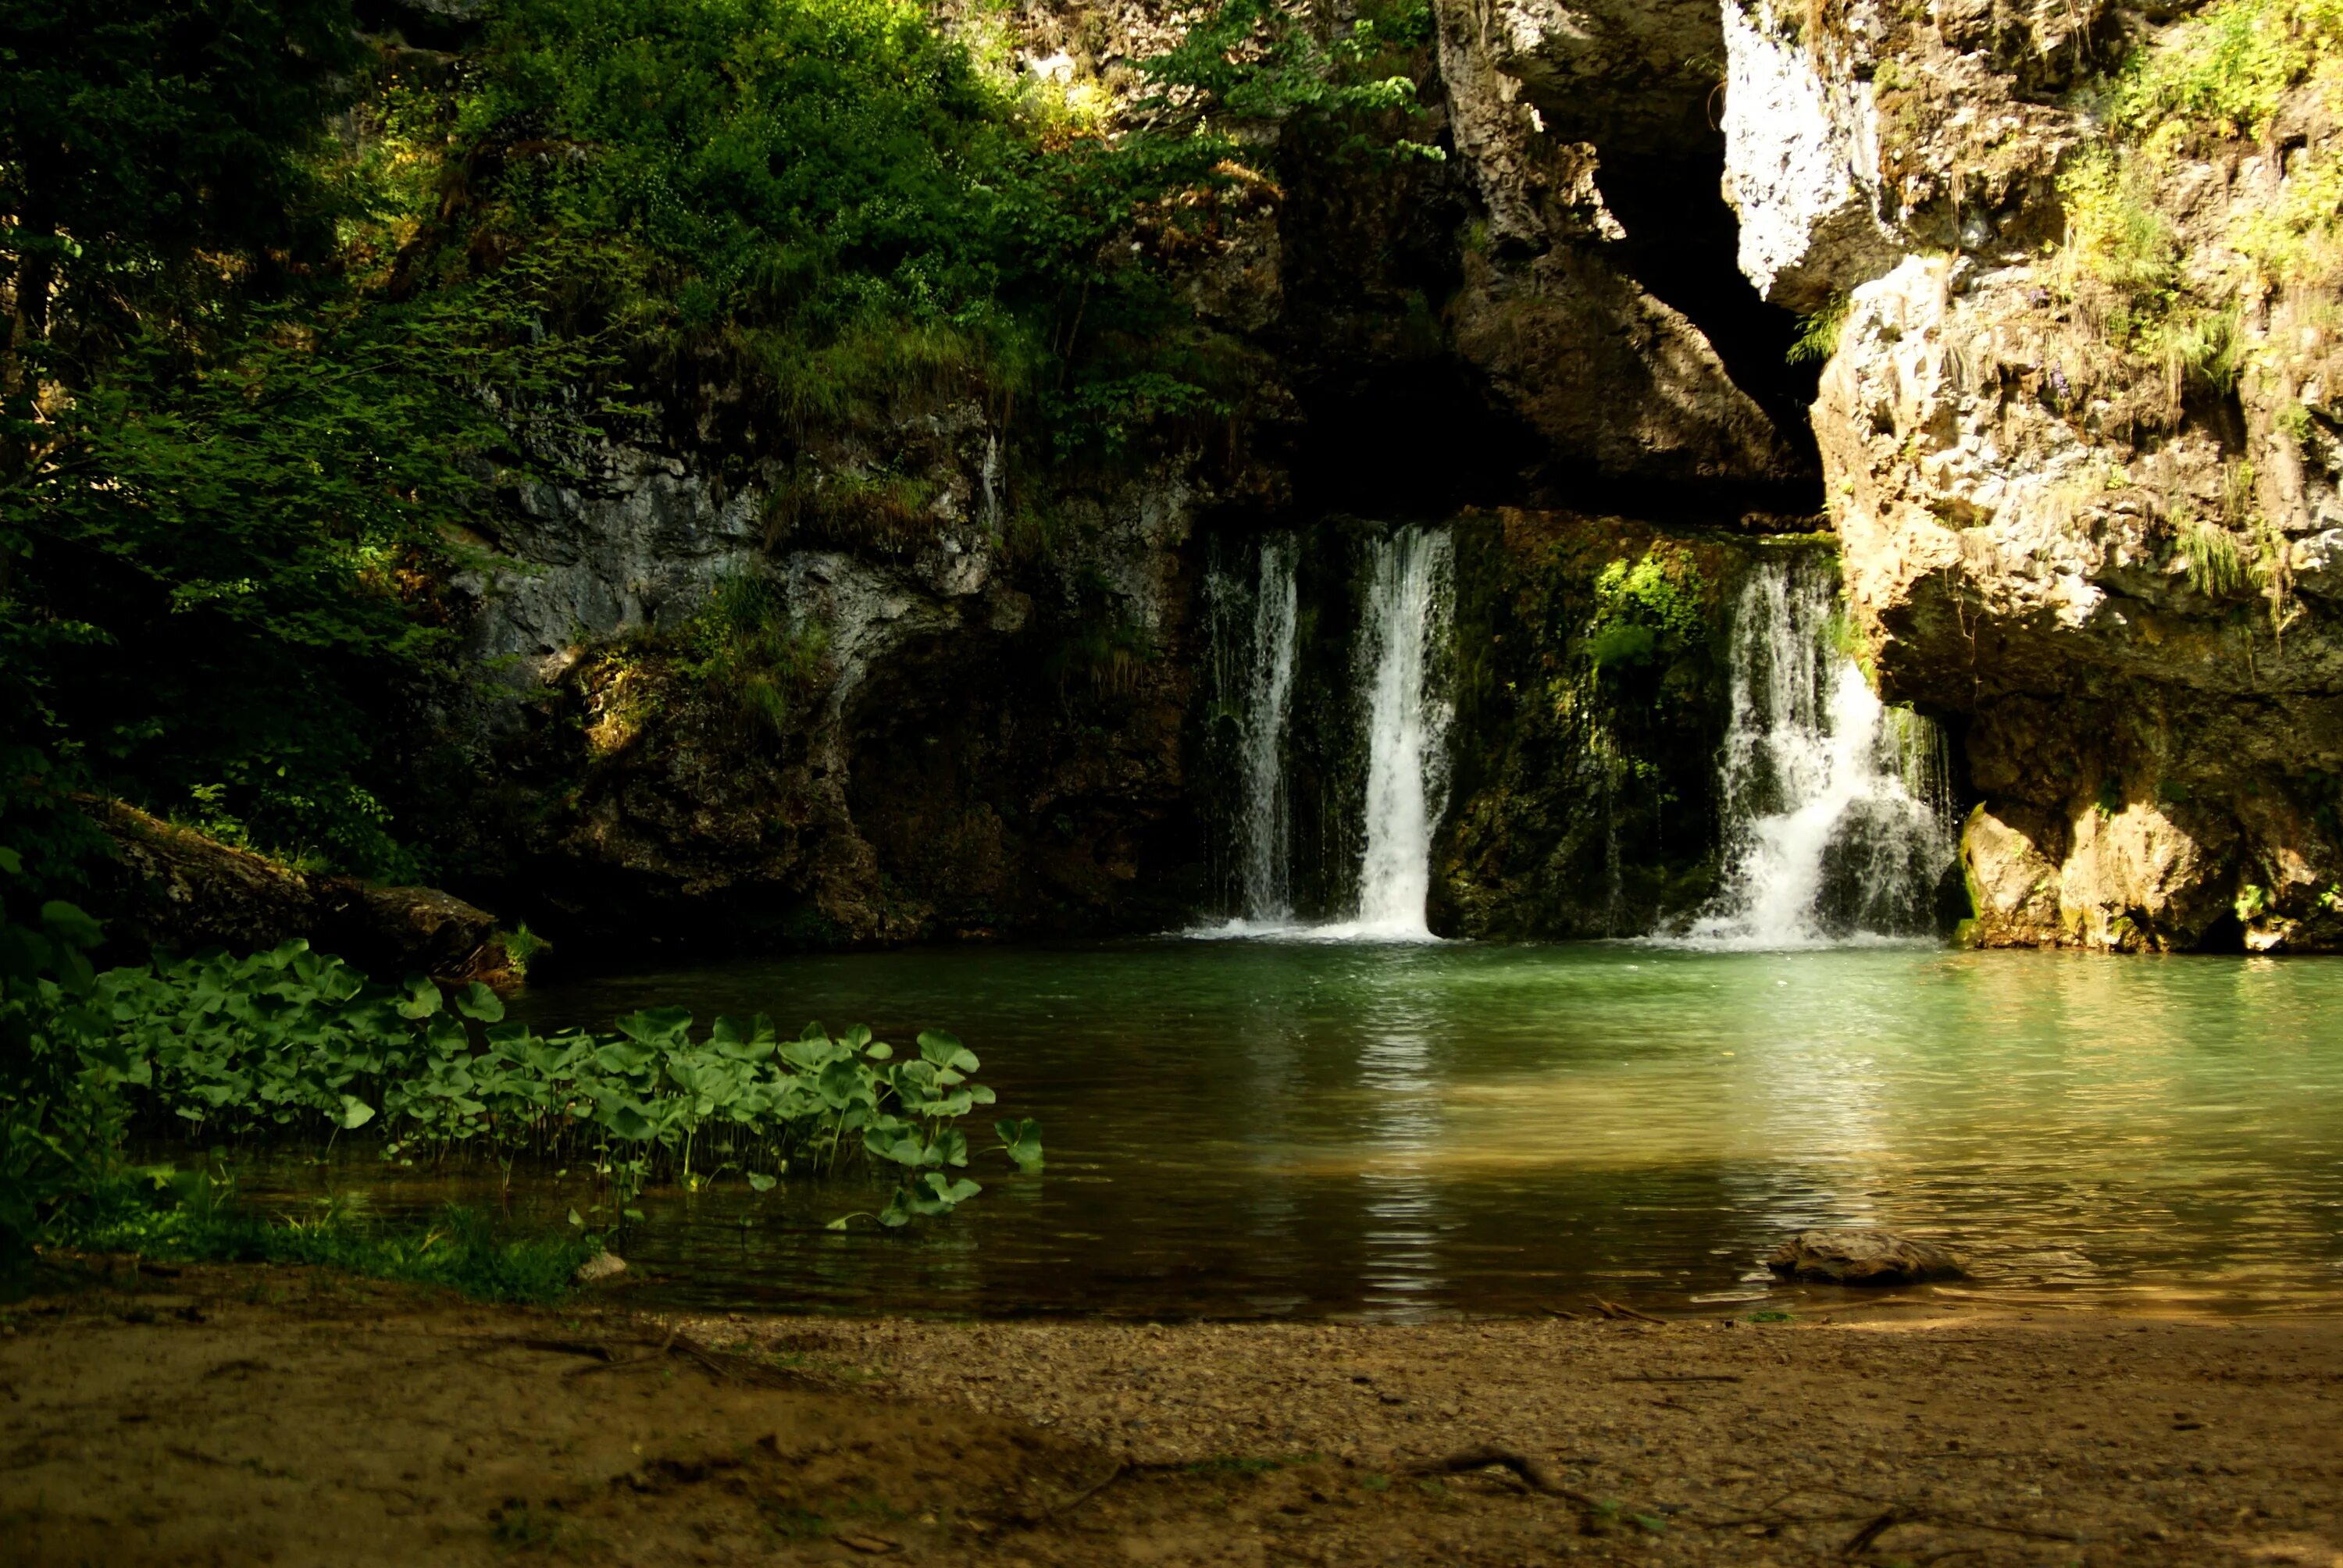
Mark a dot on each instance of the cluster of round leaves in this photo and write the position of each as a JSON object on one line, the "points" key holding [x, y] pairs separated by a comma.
{"points": [[291, 1041]]}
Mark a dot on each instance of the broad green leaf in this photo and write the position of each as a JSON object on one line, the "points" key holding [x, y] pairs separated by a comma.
{"points": [[481, 1003], [656, 1025], [946, 1051], [356, 1112], [1021, 1141], [421, 998]]}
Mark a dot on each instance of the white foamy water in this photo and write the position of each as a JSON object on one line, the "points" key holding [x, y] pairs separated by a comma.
{"points": [[1410, 603], [1409, 608], [1837, 808]]}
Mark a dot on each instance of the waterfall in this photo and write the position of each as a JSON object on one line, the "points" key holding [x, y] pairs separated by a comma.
{"points": [[1399, 666], [1409, 606], [1261, 739], [1837, 809]]}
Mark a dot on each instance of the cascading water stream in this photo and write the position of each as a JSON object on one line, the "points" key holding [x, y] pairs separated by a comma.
{"points": [[1261, 739], [1410, 603], [1837, 808]]}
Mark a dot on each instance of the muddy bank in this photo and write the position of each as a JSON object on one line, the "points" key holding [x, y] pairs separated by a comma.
{"points": [[284, 1415]]}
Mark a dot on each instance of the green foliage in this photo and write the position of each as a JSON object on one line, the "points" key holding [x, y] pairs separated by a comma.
{"points": [[522, 948], [1649, 612], [2217, 563], [1260, 60], [1818, 337], [290, 1042], [153, 150], [235, 604], [189, 1216], [810, 184], [750, 652], [2226, 68], [2115, 234], [60, 1117]]}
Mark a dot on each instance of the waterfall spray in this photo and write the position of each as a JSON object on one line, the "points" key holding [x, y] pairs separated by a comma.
{"points": [[1837, 809]]}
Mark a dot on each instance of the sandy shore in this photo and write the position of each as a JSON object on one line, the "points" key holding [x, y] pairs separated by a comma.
{"points": [[276, 1415]]}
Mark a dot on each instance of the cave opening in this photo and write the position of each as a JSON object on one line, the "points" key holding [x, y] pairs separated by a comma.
{"points": [[1682, 246]]}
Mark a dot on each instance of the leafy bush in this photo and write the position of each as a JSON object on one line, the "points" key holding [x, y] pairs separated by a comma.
{"points": [[291, 1043], [2226, 68], [59, 1119], [751, 652]]}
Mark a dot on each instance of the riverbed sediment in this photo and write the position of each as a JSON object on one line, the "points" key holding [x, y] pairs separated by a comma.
{"points": [[271, 1415]]}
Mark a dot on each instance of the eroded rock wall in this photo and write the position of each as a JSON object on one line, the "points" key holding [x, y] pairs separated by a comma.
{"points": [[2112, 560]]}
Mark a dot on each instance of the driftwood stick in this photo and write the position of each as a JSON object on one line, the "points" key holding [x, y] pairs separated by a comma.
{"points": [[1534, 1472]]}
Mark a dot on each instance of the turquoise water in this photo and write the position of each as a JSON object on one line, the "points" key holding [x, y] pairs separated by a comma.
{"points": [[1243, 1129]]}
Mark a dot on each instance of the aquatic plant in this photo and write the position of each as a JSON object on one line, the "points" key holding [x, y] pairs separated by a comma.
{"points": [[292, 1042], [193, 1216]]}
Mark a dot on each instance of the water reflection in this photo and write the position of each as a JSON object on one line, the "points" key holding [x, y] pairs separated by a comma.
{"points": [[1249, 1129]]}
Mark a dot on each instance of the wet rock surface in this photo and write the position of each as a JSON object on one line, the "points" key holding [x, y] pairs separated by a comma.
{"points": [[1863, 1258]]}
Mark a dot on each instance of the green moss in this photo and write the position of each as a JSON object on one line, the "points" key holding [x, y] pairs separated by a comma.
{"points": [[1649, 611]]}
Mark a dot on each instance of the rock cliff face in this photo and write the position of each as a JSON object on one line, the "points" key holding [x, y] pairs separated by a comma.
{"points": [[973, 707], [2109, 552], [2076, 444]]}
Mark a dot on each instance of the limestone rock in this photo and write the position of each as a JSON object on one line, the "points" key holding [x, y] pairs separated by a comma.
{"points": [[601, 1266], [1863, 1258], [2123, 585], [1801, 164], [1608, 375]]}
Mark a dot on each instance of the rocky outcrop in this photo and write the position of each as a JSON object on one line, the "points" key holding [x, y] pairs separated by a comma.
{"points": [[1863, 1258], [944, 734], [2085, 508], [1610, 375]]}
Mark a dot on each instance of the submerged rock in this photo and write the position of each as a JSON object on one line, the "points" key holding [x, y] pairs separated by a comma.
{"points": [[1863, 1258], [601, 1266]]}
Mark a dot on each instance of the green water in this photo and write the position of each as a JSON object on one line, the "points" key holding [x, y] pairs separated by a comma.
{"points": [[1241, 1129]]}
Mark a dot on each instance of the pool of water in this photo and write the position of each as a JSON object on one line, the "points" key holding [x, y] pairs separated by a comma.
{"points": [[1271, 1128]]}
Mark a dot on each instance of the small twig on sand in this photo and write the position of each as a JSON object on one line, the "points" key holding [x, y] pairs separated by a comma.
{"points": [[1615, 1311], [1874, 1525], [665, 1345], [1678, 1377], [1534, 1472], [595, 1347], [1562, 1312]]}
